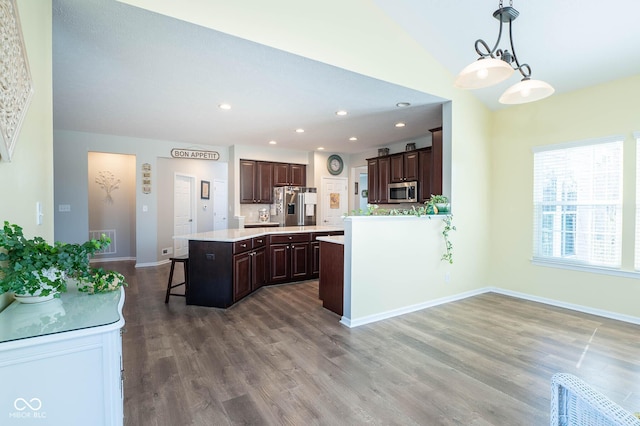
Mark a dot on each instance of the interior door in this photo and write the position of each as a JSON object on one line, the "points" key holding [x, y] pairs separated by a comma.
{"points": [[183, 211], [334, 200]]}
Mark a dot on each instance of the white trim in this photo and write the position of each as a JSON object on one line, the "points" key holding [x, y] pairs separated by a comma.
{"points": [[149, 264], [585, 268], [636, 135], [111, 259], [408, 309], [576, 144], [579, 308], [351, 323]]}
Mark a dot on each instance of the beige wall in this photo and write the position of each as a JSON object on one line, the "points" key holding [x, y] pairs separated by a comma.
{"points": [[28, 178], [604, 110]]}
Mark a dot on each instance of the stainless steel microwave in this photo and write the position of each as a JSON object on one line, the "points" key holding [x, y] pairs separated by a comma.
{"points": [[403, 192]]}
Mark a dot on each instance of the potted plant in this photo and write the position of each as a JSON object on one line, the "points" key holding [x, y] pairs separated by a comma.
{"points": [[33, 270], [440, 202]]}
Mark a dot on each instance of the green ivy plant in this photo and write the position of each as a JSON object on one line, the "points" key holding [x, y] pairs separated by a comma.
{"points": [[427, 210], [33, 266]]}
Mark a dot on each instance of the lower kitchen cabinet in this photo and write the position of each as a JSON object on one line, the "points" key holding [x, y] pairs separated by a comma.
{"points": [[222, 273], [314, 252], [288, 257]]}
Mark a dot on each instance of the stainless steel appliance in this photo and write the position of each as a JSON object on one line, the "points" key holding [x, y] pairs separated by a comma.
{"points": [[403, 192], [294, 206]]}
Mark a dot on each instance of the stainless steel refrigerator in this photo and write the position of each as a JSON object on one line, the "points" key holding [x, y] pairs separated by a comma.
{"points": [[294, 206]]}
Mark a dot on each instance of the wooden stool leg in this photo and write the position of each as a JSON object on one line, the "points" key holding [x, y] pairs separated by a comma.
{"points": [[173, 264], [186, 278]]}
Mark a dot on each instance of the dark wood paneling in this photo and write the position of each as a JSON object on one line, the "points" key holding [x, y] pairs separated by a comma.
{"points": [[331, 287], [210, 274]]}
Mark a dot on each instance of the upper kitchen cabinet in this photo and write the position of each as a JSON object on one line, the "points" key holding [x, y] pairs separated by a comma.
{"points": [[424, 180], [378, 179], [256, 182], [289, 174], [404, 167], [436, 161]]}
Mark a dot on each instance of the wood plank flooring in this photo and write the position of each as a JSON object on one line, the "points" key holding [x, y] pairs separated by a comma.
{"points": [[279, 358]]}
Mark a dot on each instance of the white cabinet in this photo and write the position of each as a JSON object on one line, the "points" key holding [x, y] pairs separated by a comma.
{"points": [[61, 361]]}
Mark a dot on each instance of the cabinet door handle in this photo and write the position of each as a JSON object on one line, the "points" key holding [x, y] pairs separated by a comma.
{"points": [[243, 245], [291, 238]]}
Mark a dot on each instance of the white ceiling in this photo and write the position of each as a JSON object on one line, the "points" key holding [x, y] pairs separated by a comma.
{"points": [[126, 71]]}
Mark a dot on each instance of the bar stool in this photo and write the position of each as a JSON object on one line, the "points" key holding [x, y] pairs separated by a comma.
{"points": [[185, 263]]}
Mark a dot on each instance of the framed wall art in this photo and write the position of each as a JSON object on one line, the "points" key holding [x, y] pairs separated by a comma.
{"points": [[16, 89], [204, 189]]}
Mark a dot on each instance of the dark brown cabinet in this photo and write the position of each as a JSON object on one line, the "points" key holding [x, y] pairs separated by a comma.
{"points": [[424, 179], [436, 161], [289, 174], [378, 179], [256, 182], [314, 252], [331, 283], [288, 257], [404, 167], [249, 265]]}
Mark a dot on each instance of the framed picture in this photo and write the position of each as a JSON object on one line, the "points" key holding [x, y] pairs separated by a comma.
{"points": [[204, 189]]}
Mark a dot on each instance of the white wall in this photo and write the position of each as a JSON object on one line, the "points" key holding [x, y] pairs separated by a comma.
{"points": [[70, 176]]}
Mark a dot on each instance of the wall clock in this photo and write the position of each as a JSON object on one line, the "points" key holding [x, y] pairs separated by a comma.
{"points": [[335, 164]]}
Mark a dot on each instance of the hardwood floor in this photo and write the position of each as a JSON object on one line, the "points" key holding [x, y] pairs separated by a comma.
{"points": [[278, 357]]}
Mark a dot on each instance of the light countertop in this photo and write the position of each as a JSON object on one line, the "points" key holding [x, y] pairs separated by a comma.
{"points": [[232, 235], [336, 239]]}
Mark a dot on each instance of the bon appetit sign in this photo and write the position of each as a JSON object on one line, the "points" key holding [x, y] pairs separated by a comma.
{"points": [[195, 154]]}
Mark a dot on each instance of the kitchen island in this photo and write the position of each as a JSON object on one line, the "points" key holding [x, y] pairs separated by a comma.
{"points": [[229, 264]]}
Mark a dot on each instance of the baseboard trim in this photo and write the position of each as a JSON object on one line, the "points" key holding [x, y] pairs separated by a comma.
{"points": [[579, 308], [356, 322], [111, 259], [150, 264]]}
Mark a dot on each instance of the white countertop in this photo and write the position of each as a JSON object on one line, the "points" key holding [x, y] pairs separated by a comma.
{"points": [[232, 235], [336, 239]]}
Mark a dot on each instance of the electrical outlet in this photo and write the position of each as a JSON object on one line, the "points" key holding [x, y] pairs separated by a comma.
{"points": [[64, 207], [167, 250], [447, 277]]}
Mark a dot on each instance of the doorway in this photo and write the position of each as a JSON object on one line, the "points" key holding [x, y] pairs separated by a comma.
{"points": [[184, 211], [334, 200]]}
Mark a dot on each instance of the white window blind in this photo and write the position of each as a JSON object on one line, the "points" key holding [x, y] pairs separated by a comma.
{"points": [[577, 200]]}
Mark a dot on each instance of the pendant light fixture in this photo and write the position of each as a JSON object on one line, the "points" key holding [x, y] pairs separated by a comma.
{"points": [[496, 65]]}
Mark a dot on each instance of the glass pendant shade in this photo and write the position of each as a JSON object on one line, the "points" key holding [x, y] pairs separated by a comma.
{"points": [[526, 91], [483, 73]]}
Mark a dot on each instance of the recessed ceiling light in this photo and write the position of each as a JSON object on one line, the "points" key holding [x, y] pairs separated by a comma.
{"points": [[224, 106], [403, 104], [341, 112], [353, 138], [272, 142], [299, 130], [321, 148], [400, 124]]}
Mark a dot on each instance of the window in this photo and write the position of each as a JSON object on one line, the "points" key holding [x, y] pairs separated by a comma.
{"points": [[577, 200]]}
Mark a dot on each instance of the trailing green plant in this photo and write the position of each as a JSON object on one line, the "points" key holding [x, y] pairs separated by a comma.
{"points": [[33, 266], [438, 199], [428, 209], [448, 227]]}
